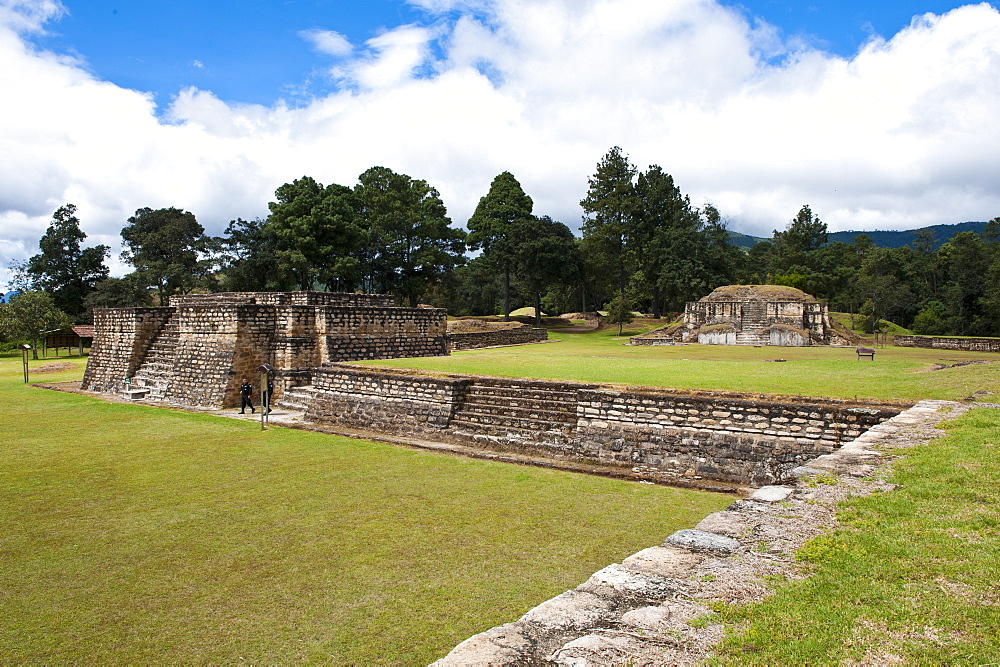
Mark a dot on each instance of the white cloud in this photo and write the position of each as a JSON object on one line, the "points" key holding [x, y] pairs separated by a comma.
{"points": [[392, 58], [901, 135], [29, 16], [329, 42]]}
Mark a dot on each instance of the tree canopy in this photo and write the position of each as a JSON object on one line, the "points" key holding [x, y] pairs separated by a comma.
{"points": [[31, 316], [166, 246], [68, 272], [316, 234], [410, 240], [497, 227], [643, 245]]}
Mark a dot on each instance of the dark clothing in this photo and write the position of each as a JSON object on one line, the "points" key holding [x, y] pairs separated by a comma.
{"points": [[267, 395], [246, 391]]}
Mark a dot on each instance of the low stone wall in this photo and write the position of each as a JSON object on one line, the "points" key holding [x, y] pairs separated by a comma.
{"points": [[470, 340], [383, 401], [731, 438], [361, 348], [948, 343]]}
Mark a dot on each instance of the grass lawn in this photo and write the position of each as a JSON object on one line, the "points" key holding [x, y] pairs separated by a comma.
{"points": [[138, 534], [911, 578], [132, 534], [602, 357]]}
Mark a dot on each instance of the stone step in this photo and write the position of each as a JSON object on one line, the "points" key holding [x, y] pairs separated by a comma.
{"points": [[155, 383], [522, 393], [558, 403], [493, 423], [533, 436], [297, 398], [524, 411]]}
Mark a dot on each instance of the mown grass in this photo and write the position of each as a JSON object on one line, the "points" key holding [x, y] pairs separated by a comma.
{"points": [[133, 534], [847, 319], [910, 578], [897, 373]]}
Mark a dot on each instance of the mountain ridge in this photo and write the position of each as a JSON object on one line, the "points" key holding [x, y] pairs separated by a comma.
{"points": [[883, 239]]}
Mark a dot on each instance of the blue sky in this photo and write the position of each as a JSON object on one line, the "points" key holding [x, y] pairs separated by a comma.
{"points": [[879, 115], [254, 52]]}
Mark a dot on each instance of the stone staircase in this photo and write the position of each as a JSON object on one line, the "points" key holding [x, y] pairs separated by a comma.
{"points": [[157, 369], [296, 399], [754, 328], [754, 337], [515, 414]]}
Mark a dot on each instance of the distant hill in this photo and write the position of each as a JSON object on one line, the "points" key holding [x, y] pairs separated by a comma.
{"points": [[743, 240], [882, 239], [942, 234]]}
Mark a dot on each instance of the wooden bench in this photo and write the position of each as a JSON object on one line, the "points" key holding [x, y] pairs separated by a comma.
{"points": [[866, 352]]}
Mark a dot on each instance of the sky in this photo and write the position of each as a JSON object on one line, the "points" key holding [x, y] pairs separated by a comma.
{"points": [[879, 115]]}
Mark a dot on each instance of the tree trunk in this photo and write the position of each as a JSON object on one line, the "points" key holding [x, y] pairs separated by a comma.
{"points": [[506, 295], [538, 310]]}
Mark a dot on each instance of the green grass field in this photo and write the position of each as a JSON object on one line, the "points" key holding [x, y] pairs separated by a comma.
{"points": [[897, 373], [132, 534], [139, 534], [910, 578]]}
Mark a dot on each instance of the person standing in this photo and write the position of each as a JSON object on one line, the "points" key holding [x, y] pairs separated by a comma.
{"points": [[246, 391], [267, 395]]}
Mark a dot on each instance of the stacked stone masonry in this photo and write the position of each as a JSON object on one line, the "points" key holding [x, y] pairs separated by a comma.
{"points": [[471, 340], [946, 343], [196, 351], [751, 315], [730, 438]]}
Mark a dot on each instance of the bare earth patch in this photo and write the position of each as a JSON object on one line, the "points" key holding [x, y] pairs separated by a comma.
{"points": [[54, 367]]}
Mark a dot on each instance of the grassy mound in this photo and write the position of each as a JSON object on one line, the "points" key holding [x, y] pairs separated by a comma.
{"points": [[758, 293]]}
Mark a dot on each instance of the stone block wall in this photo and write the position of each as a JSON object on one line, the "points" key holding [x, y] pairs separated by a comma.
{"points": [[207, 341], [122, 338], [360, 348], [716, 437], [370, 321], [385, 401], [949, 343], [731, 438], [470, 340], [304, 298]]}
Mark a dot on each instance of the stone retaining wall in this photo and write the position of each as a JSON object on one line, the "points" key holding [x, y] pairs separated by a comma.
{"points": [[217, 345], [470, 340], [732, 438], [385, 402], [948, 343]]}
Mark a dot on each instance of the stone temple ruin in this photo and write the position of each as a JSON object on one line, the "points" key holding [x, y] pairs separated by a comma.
{"points": [[752, 315], [195, 351]]}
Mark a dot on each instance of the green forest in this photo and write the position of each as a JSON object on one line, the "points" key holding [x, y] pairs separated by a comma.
{"points": [[642, 247]]}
